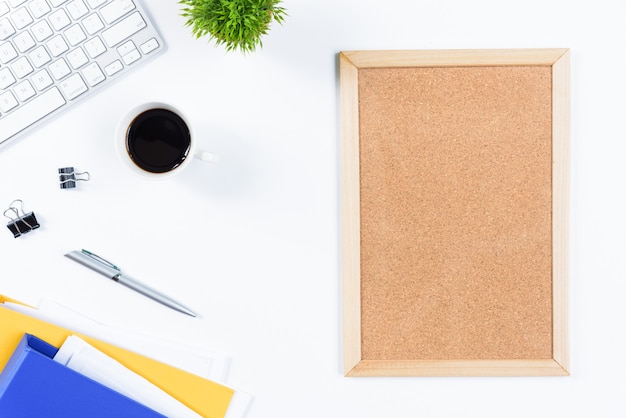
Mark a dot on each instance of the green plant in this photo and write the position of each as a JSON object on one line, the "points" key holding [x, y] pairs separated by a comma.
{"points": [[237, 24]]}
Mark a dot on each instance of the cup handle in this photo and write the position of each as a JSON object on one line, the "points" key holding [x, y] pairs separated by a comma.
{"points": [[207, 156]]}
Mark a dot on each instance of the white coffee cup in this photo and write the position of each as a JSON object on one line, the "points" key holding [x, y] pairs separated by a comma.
{"points": [[155, 141]]}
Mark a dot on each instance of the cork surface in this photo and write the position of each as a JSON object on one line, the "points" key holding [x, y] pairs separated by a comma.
{"points": [[455, 173]]}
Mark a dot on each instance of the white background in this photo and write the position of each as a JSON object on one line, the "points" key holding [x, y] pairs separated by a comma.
{"points": [[252, 242]]}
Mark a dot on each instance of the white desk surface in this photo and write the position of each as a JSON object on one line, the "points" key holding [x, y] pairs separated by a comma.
{"points": [[252, 243]]}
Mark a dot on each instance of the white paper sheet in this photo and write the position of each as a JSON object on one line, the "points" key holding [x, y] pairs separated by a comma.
{"points": [[87, 360]]}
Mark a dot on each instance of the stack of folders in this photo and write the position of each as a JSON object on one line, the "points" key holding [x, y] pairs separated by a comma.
{"points": [[52, 370]]}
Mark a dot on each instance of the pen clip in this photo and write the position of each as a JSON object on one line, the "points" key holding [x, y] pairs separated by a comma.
{"points": [[99, 259]]}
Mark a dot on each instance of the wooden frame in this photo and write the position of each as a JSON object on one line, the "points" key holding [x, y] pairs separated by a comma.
{"points": [[351, 63]]}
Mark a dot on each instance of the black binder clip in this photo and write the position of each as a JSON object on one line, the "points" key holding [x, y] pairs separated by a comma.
{"points": [[21, 223], [68, 177]]}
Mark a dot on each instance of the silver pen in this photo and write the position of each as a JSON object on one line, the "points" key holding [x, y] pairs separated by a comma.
{"points": [[110, 270]]}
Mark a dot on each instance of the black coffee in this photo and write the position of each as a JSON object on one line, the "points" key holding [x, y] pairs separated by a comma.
{"points": [[158, 140]]}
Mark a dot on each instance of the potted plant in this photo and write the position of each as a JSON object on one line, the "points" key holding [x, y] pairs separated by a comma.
{"points": [[236, 24]]}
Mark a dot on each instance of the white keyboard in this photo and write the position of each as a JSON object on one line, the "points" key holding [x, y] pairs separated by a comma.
{"points": [[53, 53]]}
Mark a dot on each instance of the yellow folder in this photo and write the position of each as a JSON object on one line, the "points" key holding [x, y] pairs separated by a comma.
{"points": [[207, 398]]}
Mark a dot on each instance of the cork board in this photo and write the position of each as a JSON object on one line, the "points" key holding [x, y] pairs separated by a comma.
{"points": [[454, 212]]}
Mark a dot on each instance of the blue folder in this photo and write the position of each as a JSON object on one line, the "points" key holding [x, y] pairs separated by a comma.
{"points": [[32, 385]]}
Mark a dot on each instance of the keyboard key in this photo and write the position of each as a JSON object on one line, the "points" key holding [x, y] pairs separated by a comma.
{"points": [[24, 91], [6, 78], [123, 29], [41, 30], [7, 101], [126, 47], [57, 3], [7, 53], [149, 46], [95, 47], [131, 57], [116, 9], [59, 19], [24, 41], [38, 8], [41, 79], [115, 67], [57, 46], [21, 67], [77, 9], [75, 35], [73, 86], [92, 23], [31, 112], [77, 58], [39, 56], [59, 69], [93, 74], [4, 8], [21, 18], [6, 29]]}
